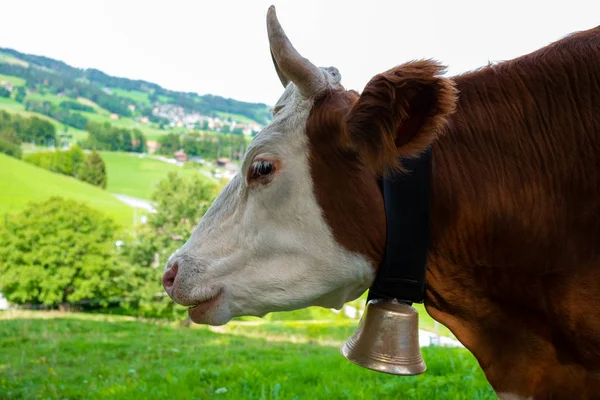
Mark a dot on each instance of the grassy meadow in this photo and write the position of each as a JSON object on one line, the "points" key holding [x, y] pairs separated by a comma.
{"points": [[13, 80], [136, 175], [53, 355], [103, 116], [135, 95], [21, 183]]}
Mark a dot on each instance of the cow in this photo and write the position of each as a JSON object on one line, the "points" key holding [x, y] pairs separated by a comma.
{"points": [[514, 263]]}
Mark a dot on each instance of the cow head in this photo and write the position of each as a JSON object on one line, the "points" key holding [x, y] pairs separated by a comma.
{"points": [[303, 222]]}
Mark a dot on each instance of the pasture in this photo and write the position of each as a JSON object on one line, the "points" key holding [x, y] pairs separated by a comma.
{"points": [[21, 183], [135, 95], [53, 355], [102, 116], [13, 80], [136, 175]]}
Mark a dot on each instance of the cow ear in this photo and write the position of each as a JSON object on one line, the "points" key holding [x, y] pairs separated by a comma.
{"points": [[399, 114]]}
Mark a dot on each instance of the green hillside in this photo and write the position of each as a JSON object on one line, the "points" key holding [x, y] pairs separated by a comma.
{"points": [[134, 99], [136, 175], [21, 183]]}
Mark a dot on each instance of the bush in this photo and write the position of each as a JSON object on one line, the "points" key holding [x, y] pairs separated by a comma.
{"points": [[10, 143], [60, 251], [8, 148]]}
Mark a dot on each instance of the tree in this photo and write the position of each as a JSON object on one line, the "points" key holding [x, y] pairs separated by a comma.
{"points": [[4, 92], [60, 251], [169, 143], [10, 144], [20, 96], [180, 204], [39, 130], [77, 159], [93, 170]]}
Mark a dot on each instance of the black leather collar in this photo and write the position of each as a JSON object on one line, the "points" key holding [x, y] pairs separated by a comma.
{"points": [[401, 275]]}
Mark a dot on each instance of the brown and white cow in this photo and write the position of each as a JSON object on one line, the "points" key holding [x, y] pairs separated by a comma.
{"points": [[514, 268]]}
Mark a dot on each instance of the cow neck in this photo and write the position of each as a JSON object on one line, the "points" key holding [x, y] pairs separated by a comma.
{"points": [[407, 198]]}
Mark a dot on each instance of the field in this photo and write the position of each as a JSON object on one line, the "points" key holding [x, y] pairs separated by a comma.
{"points": [[137, 96], [21, 183], [236, 117], [137, 176], [14, 80], [103, 116], [49, 97], [52, 355]]}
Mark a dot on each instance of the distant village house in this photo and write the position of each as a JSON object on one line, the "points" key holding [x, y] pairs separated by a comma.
{"points": [[180, 156]]}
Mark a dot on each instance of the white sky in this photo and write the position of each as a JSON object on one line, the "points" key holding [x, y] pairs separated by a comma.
{"points": [[220, 46]]}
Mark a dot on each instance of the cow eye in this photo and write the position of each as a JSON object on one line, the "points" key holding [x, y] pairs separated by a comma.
{"points": [[260, 169], [276, 110]]}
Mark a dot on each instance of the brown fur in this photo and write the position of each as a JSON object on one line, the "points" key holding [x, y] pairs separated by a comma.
{"points": [[514, 269], [412, 104], [337, 172]]}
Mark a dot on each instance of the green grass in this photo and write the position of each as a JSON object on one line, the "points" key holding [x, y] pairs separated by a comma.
{"points": [[150, 132], [137, 176], [10, 105], [135, 95], [48, 355], [14, 80], [49, 97], [165, 99], [21, 183], [242, 119]]}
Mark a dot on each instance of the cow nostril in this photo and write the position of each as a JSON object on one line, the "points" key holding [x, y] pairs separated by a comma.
{"points": [[168, 277]]}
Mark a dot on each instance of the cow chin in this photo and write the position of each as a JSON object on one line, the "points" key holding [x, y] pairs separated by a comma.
{"points": [[214, 312]]}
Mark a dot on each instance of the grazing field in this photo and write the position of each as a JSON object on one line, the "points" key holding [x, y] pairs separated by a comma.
{"points": [[135, 95], [13, 80], [236, 117], [52, 355], [102, 116], [136, 175], [49, 97], [21, 183]]}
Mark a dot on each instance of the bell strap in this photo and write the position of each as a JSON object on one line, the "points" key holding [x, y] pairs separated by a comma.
{"points": [[407, 197]]}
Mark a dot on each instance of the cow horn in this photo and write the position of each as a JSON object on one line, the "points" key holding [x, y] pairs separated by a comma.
{"points": [[289, 64]]}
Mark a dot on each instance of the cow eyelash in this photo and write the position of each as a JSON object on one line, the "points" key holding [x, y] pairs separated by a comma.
{"points": [[261, 169]]}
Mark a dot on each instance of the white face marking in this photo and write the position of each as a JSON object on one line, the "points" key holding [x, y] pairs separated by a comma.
{"points": [[267, 247]]}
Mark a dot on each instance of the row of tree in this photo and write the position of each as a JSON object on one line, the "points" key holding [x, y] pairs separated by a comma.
{"points": [[60, 252], [109, 138], [28, 129], [15, 129], [74, 162], [206, 145], [58, 112]]}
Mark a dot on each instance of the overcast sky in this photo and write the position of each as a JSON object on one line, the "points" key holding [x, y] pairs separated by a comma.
{"points": [[220, 46]]}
